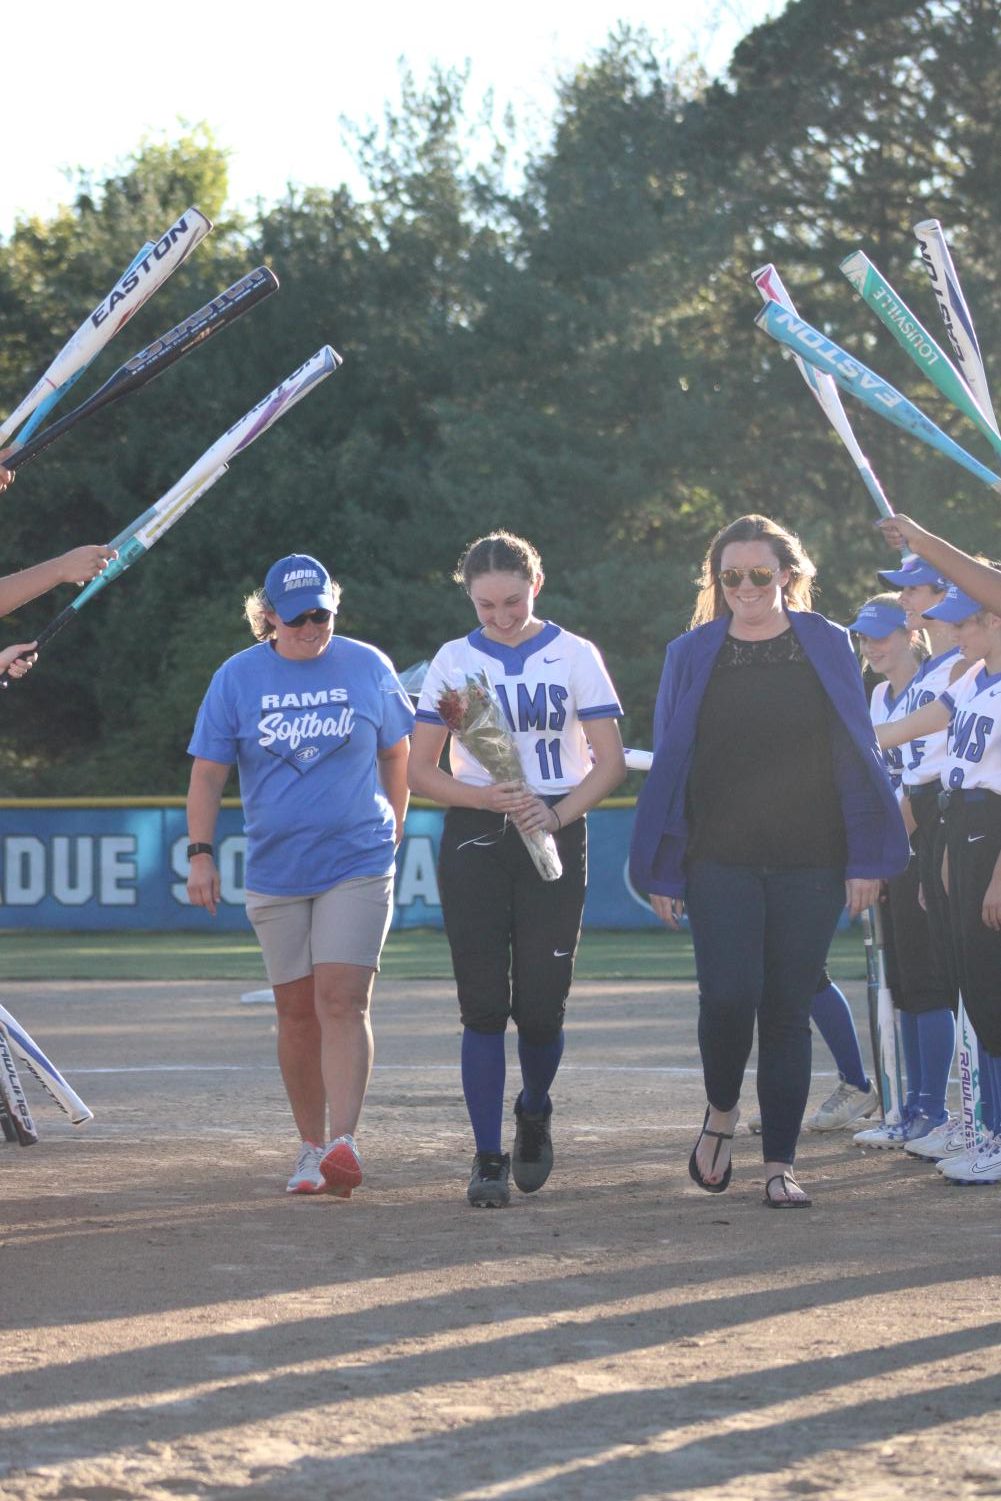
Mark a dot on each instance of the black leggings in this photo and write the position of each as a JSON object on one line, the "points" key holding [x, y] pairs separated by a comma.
{"points": [[513, 936], [973, 827]]}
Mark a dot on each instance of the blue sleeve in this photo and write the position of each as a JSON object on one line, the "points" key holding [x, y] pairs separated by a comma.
{"points": [[397, 711], [214, 736]]}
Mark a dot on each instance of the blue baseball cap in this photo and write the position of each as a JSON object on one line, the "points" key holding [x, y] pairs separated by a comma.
{"points": [[955, 608], [879, 620], [914, 570], [298, 583]]}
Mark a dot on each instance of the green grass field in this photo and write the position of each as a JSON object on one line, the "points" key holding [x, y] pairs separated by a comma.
{"points": [[415, 954]]}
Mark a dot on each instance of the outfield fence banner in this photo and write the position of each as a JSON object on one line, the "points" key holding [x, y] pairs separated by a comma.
{"points": [[85, 866]]}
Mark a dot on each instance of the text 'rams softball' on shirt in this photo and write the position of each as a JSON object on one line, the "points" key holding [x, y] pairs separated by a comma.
{"points": [[305, 736], [924, 760], [974, 753], [547, 686]]}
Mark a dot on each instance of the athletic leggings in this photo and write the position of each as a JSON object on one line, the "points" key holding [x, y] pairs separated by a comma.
{"points": [[973, 831], [930, 843], [513, 936]]}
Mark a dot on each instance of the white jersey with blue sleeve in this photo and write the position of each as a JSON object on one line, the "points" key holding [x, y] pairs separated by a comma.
{"points": [[924, 759], [549, 687], [973, 758], [884, 706]]}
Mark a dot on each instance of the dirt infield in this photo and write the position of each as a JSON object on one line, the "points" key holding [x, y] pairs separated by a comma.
{"points": [[176, 1327]]}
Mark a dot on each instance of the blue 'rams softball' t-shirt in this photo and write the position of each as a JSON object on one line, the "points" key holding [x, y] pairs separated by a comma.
{"points": [[305, 737]]}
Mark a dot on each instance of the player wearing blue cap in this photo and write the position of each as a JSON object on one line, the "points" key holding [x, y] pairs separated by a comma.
{"points": [[971, 799], [318, 726], [896, 650]]}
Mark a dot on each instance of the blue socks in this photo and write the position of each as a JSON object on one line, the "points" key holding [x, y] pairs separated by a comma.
{"points": [[483, 1073], [483, 1066], [831, 1012], [936, 1032], [907, 1021], [539, 1062]]}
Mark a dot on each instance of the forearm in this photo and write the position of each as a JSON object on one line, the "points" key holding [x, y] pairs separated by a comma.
{"points": [[978, 580], [17, 589], [602, 779], [204, 799], [441, 787]]}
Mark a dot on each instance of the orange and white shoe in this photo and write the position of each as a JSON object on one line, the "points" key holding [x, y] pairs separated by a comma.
{"points": [[340, 1165], [306, 1176]]}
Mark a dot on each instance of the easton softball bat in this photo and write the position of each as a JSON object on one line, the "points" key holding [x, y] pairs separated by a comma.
{"points": [[124, 300], [870, 388], [772, 288], [47, 403], [890, 1081], [165, 351]]}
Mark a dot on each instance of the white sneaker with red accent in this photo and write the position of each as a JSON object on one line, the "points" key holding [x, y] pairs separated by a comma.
{"points": [[306, 1176], [340, 1164]]}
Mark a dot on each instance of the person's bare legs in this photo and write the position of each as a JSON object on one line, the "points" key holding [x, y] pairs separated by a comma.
{"points": [[342, 995], [299, 1050]]}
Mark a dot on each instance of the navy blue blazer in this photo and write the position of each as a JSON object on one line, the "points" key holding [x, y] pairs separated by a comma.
{"points": [[874, 830]]}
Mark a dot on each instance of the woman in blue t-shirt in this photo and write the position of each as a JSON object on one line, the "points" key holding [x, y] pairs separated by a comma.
{"points": [[318, 726]]}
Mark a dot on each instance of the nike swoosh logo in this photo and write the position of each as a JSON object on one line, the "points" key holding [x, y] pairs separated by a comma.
{"points": [[972, 838], [561, 953], [551, 660]]}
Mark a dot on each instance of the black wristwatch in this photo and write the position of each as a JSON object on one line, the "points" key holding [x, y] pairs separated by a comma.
{"points": [[200, 849]]}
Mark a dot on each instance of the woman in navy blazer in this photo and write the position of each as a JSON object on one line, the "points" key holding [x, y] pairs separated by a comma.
{"points": [[767, 810]]}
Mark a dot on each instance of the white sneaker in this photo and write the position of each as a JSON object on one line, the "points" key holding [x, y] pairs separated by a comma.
{"points": [[848, 1103], [946, 1140], [306, 1176], [884, 1138], [983, 1166], [340, 1165]]}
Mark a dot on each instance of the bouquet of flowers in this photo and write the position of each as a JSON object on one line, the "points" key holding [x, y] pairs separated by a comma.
{"points": [[473, 714]]}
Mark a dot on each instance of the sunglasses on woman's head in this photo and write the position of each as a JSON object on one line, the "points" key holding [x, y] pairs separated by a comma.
{"points": [[317, 617], [732, 578]]}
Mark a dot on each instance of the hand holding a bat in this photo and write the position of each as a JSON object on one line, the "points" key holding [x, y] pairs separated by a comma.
{"points": [[6, 478], [17, 660], [84, 563]]}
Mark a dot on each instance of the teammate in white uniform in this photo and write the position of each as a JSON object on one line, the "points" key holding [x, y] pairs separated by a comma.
{"points": [[924, 945], [513, 936], [971, 798]]}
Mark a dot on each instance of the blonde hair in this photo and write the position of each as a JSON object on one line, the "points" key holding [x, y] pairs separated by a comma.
{"points": [[788, 549], [257, 608]]}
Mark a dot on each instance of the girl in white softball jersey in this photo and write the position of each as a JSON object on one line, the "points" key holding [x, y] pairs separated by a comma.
{"points": [[921, 995], [971, 799], [513, 936]]}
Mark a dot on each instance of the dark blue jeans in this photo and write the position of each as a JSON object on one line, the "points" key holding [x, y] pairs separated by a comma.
{"points": [[761, 937]]}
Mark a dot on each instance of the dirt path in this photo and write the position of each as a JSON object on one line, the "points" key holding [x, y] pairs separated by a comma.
{"points": [[174, 1326]]}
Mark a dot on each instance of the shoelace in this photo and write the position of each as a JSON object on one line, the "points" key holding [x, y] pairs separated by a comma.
{"points": [[491, 1168], [533, 1135]]}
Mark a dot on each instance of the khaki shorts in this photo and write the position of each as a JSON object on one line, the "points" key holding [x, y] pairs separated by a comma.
{"points": [[347, 924]]}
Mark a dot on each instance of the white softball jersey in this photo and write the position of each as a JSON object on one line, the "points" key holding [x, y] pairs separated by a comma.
{"points": [[973, 758], [548, 687]]}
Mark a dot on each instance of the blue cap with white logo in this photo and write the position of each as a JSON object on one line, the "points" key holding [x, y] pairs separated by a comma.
{"points": [[956, 607], [298, 583], [913, 570], [879, 620]]}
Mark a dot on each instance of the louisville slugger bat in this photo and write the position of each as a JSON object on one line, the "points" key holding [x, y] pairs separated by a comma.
{"points": [[772, 288], [19, 1041], [874, 289], [136, 540], [13, 1098], [870, 388], [48, 402], [955, 313], [888, 1062], [124, 300], [165, 351]]}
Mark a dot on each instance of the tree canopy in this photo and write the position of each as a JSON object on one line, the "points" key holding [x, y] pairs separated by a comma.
{"points": [[576, 361]]}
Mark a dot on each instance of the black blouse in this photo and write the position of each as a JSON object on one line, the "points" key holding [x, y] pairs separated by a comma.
{"points": [[761, 790]]}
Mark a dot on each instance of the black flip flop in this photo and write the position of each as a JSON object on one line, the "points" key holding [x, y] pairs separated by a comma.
{"points": [[693, 1167], [787, 1180]]}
